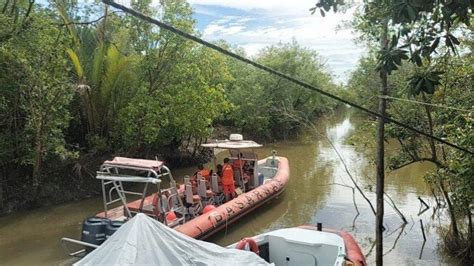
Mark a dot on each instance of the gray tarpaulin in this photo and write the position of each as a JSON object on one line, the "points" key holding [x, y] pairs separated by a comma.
{"points": [[145, 241]]}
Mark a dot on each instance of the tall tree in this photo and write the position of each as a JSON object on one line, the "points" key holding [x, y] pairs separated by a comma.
{"points": [[104, 73]]}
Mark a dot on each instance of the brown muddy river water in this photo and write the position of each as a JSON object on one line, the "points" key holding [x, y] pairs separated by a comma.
{"points": [[33, 237]]}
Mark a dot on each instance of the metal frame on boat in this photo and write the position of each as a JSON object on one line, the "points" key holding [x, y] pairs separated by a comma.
{"points": [[155, 171]]}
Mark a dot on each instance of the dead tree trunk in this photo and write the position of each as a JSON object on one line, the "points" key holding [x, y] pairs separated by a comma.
{"points": [[454, 223]]}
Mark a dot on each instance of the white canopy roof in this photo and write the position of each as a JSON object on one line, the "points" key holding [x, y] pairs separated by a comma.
{"points": [[145, 241], [134, 163], [232, 144]]}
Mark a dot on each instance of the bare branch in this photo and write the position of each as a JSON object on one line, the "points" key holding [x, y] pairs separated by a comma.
{"points": [[417, 160], [423, 203], [392, 204], [396, 239], [353, 198]]}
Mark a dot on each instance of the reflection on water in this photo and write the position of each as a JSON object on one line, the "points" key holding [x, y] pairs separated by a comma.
{"points": [[311, 196]]}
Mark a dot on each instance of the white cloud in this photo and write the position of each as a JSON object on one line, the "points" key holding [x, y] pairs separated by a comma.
{"points": [[253, 48], [232, 30], [211, 29], [280, 6], [264, 23], [227, 25], [308, 31]]}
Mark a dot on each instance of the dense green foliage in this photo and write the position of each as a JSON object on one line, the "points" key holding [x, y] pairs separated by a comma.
{"points": [[262, 110], [35, 93], [80, 83]]}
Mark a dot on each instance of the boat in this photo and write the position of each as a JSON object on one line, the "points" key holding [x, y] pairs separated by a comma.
{"points": [[196, 208], [305, 245], [144, 240]]}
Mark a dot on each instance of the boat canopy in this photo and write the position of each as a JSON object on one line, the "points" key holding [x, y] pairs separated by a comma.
{"points": [[232, 144], [145, 241], [130, 163]]}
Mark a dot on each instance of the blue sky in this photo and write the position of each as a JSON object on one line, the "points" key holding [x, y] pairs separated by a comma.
{"points": [[254, 24]]}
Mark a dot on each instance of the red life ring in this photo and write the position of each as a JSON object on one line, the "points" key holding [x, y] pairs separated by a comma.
{"points": [[252, 244]]}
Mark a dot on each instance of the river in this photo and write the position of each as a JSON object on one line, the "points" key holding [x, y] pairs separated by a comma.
{"points": [[317, 192]]}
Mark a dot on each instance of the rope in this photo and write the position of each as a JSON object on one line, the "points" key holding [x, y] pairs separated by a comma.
{"points": [[274, 72], [423, 103]]}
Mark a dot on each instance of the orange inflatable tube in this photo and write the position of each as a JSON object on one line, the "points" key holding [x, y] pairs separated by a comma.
{"points": [[209, 223], [354, 253]]}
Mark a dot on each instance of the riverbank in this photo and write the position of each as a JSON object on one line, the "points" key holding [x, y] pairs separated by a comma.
{"points": [[69, 180]]}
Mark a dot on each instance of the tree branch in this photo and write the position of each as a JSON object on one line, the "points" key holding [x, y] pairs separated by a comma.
{"points": [[396, 239], [438, 163]]}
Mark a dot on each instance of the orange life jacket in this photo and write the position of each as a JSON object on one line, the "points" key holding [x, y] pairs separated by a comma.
{"points": [[205, 173], [238, 163], [227, 175]]}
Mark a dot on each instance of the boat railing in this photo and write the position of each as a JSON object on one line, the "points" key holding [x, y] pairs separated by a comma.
{"points": [[113, 183], [77, 253]]}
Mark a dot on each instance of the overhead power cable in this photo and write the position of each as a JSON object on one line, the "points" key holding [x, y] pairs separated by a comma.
{"points": [[428, 104], [274, 72]]}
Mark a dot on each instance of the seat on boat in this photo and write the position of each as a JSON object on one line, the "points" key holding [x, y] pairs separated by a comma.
{"points": [[174, 200], [193, 183], [205, 193], [193, 200], [175, 205], [272, 162], [218, 195], [269, 168]]}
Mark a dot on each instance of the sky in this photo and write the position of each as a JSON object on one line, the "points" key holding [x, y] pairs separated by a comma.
{"points": [[254, 24]]}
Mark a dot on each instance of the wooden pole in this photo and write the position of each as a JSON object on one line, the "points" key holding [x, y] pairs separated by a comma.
{"points": [[380, 162]]}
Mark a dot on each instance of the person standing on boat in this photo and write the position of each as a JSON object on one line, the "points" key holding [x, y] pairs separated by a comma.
{"points": [[206, 173], [240, 166], [239, 162], [228, 180]]}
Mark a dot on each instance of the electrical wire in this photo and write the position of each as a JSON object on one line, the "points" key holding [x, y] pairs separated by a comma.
{"points": [[423, 103], [274, 72]]}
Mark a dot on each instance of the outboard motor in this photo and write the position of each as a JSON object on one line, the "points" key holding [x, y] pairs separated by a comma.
{"points": [[93, 231], [112, 227]]}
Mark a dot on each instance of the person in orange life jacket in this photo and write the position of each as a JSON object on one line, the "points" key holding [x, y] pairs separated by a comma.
{"points": [[228, 180], [240, 166], [206, 173], [236, 164]]}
